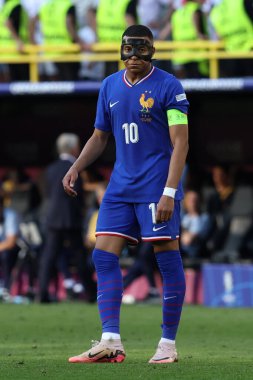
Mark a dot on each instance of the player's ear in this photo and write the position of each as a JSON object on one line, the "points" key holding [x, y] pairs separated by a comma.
{"points": [[153, 50]]}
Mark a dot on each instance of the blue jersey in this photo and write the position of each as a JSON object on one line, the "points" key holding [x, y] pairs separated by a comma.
{"points": [[137, 117]]}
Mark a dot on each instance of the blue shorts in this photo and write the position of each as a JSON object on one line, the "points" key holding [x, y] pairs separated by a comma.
{"points": [[135, 221]]}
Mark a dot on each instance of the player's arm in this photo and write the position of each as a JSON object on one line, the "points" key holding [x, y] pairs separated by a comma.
{"points": [[71, 25], [91, 151], [179, 139], [13, 25]]}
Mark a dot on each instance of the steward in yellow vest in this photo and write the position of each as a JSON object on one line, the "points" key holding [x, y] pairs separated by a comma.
{"points": [[111, 20], [13, 34], [54, 24], [58, 26], [187, 24], [113, 17], [233, 23]]}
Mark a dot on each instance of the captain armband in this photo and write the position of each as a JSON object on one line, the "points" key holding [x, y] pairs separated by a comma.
{"points": [[176, 117]]}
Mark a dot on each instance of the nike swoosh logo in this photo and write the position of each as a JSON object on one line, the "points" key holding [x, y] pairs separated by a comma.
{"points": [[168, 298], [99, 296], [97, 353], [158, 228], [113, 104]]}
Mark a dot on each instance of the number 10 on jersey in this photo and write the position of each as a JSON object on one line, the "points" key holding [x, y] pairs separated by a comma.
{"points": [[131, 133]]}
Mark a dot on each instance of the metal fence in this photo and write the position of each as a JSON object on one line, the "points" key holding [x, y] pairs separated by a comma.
{"points": [[213, 51]]}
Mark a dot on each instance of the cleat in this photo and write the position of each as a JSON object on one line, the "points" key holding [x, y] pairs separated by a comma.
{"points": [[165, 353], [105, 351]]}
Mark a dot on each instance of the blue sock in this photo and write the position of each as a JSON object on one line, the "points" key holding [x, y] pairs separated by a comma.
{"points": [[171, 268], [109, 289]]}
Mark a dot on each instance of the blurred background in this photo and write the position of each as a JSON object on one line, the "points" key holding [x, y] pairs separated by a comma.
{"points": [[53, 56]]}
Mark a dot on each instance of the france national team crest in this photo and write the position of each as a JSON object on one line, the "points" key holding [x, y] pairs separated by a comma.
{"points": [[147, 103]]}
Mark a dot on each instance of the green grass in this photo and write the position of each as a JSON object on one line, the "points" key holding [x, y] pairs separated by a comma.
{"points": [[36, 340]]}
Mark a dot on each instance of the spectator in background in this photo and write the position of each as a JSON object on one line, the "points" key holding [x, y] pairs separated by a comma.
{"points": [[188, 24], [90, 239], [155, 15], [218, 207], [14, 33], [58, 27], [93, 180], [22, 194], [83, 8], [194, 226], [4, 73], [233, 23], [9, 231], [112, 20], [88, 36], [206, 8], [47, 70], [64, 222]]}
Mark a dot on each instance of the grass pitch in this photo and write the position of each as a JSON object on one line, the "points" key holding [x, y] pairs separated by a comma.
{"points": [[36, 340]]}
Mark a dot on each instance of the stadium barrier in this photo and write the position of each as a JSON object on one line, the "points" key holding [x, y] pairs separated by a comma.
{"points": [[213, 51], [214, 285], [228, 285], [138, 290], [90, 87]]}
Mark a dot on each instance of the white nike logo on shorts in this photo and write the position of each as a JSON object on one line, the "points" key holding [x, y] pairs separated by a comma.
{"points": [[113, 104], [158, 228], [168, 298]]}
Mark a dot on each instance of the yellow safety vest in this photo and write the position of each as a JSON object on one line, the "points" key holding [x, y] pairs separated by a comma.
{"points": [[183, 29], [6, 38], [111, 21], [233, 25], [53, 22]]}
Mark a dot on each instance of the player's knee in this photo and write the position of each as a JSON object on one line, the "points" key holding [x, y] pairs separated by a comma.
{"points": [[165, 245], [104, 260]]}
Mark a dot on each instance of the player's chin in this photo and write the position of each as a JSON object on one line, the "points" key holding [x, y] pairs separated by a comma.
{"points": [[134, 67]]}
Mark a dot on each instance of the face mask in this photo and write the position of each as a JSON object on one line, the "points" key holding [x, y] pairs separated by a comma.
{"points": [[138, 47]]}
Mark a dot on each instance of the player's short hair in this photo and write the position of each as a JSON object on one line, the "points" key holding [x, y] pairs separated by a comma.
{"points": [[66, 142], [138, 31]]}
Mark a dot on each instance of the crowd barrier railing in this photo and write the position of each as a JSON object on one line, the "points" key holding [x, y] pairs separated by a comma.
{"points": [[33, 55]]}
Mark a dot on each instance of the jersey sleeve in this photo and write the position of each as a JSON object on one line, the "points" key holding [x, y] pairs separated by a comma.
{"points": [[102, 121], [175, 97]]}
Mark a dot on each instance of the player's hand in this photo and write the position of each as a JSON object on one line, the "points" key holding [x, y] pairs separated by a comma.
{"points": [[69, 180], [164, 209]]}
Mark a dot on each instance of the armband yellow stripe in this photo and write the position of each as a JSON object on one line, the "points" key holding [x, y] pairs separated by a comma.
{"points": [[176, 117]]}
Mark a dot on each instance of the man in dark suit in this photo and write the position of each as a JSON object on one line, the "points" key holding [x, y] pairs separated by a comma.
{"points": [[64, 222]]}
